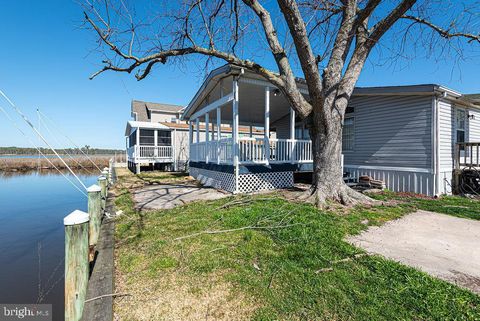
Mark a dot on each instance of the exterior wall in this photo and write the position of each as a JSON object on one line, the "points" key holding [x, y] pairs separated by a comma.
{"points": [[398, 180], [447, 140], [282, 127], [180, 142], [392, 131], [157, 117]]}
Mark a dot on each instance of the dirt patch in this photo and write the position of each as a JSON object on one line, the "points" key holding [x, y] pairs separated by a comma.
{"points": [[177, 297], [441, 245]]}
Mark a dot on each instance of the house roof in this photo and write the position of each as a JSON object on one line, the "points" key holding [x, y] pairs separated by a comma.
{"points": [[225, 71], [143, 124], [143, 108]]}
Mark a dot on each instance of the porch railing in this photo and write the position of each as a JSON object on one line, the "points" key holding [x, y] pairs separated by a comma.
{"points": [[253, 151], [150, 152], [467, 155]]}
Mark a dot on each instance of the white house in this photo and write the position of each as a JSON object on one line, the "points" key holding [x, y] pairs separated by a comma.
{"points": [[403, 135]]}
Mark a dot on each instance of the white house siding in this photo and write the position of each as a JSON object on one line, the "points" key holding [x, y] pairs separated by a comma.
{"points": [[445, 145], [446, 123], [282, 127], [393, 142]]}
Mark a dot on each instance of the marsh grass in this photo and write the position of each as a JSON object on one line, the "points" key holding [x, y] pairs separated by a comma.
{"points": [[271, 274]]}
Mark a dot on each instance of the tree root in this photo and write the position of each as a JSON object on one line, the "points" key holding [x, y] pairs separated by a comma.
{"points": [[338, 193]]}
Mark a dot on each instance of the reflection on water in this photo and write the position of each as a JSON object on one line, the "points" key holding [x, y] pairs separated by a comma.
{"points": [[33, 205], [47, 172]]}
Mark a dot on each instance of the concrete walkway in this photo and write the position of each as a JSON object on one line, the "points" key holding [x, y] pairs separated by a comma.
{"points": [[167, 196], [442, 245]]}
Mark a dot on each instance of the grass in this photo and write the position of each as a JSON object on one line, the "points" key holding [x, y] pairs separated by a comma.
{"points": [[28, 164], [272, 274], [452, 205]]}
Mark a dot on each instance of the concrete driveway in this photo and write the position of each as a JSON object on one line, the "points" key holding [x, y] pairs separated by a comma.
{"points": [[167, 196], [444, 246]]}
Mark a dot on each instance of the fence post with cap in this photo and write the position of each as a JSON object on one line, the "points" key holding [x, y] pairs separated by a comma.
{"points": [[76, 263]]}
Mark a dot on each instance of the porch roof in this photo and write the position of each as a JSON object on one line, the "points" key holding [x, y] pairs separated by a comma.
{"points": [[143, 124]]}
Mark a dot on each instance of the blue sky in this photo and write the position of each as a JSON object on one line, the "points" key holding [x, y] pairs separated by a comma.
{"points": [[46, 59]]}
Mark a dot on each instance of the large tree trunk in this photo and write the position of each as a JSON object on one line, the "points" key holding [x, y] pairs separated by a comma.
{"points": [[327, 182]]}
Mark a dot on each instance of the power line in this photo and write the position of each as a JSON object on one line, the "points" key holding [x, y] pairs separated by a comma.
{"points": [[40, 135], [71, 141], [39, 151]]}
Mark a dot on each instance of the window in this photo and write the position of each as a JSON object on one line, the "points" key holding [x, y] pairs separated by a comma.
{"points": [[460, 125], [147, 137], [132, 140], [164, 138], [348, 134]]}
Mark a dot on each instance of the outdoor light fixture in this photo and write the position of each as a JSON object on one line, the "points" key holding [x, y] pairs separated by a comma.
{"points": [[471, 116], [276, 92]]}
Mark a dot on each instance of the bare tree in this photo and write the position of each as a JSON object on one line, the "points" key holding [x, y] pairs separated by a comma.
{"points": [[329, 41]]}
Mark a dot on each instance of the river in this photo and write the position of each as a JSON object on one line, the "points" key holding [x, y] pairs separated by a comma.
{"points": [[32, 208]]}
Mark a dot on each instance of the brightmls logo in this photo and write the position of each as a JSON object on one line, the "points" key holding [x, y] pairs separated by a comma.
{"points": [[31, 312]]}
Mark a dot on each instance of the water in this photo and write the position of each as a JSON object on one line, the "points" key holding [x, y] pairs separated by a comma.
{"points": [[32, 208]]}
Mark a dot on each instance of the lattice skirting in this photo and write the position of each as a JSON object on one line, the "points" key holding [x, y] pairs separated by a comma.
{"points": [[247, 183], [219, 180]]}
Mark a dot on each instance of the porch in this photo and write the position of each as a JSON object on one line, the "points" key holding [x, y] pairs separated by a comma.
{"points": [[243, 162], [148, 144]]}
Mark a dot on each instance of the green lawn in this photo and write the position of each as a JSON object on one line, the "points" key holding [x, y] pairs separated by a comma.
{"points": [[287, 264], [452, 205]]}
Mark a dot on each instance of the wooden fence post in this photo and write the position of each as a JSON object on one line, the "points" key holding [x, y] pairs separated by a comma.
{"points": [[105, 173], [102, 182], [76, 263], [95, 213]]}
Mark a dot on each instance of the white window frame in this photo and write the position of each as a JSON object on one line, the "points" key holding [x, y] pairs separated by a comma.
{"points": [[349, 117], [465, 130]]}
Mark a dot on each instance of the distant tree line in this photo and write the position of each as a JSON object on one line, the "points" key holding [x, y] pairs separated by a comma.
{"points": [[47, 151]]}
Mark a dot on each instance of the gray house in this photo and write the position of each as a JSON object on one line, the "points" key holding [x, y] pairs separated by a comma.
{"points": [[403, 135]]}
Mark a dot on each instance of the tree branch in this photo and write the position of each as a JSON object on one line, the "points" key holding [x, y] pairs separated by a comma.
{"points": [[298, 30], [441, 31], [290, 90]]}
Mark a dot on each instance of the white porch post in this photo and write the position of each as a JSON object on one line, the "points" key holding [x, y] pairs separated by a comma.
{"points": [[235, 130], [197, 125], [292, 135], [266, 127], [219, 132], [207, 135], [155, 142], [190, 139], [137, 145]]}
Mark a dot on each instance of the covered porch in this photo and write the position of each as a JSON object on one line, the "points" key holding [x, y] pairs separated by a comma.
{"points": [[243, 162], [148, 144]]}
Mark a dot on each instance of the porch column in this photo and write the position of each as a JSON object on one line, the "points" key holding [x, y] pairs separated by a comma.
{"points": [[292, 135], [155, 142], [266, 127], [219, 132], [197, 124], [235, 122], [190, 139], [207, 135], [137, 145]]}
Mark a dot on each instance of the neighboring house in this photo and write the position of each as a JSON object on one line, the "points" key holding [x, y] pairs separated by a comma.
{"points": [[157, 138], [403, 135]]}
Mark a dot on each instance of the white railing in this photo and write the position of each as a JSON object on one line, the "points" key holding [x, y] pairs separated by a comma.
{"points": [[252, 151], [150, 152]]}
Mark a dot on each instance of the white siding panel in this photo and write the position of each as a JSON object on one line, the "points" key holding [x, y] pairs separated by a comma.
{"points": [[446, 135], [474, 125], [392, 131], [398, 181]]}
